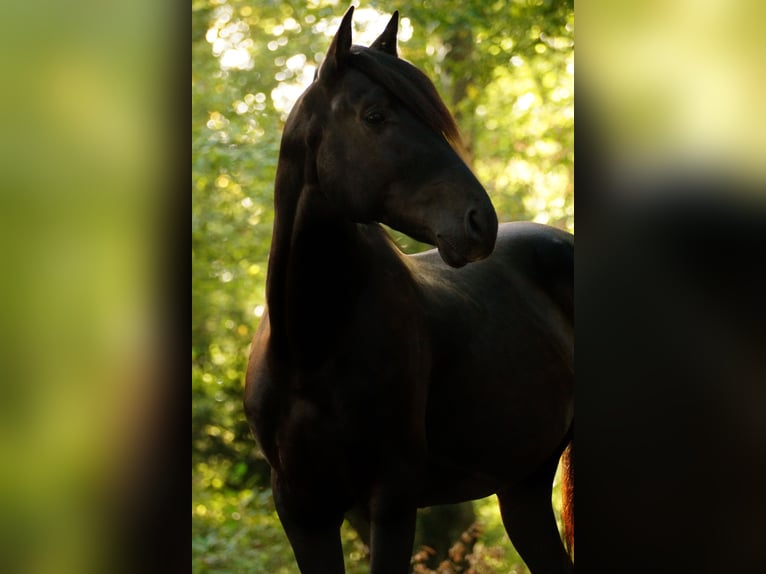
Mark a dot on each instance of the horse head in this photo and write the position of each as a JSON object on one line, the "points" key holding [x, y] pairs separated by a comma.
{"points": [[384, 148]]}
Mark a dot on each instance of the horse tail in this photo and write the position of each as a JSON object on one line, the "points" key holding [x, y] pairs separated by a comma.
{"points": [[567, 492]]}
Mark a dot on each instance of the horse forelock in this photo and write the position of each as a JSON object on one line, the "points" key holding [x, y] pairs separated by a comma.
{"points": [[412, 88]]}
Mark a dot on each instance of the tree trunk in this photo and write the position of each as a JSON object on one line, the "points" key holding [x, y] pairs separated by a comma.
{"points": [[457, 65]]}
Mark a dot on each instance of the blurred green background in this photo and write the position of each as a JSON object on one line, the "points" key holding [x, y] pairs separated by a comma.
{"points": [[85, 161], [505, 69]]}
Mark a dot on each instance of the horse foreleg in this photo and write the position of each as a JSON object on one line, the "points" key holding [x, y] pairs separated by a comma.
{"points": [[392, 518], [313, 531]]}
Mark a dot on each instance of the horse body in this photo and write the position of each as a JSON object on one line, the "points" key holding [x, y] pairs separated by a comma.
{"points": [[502, 361], [384, 381]]}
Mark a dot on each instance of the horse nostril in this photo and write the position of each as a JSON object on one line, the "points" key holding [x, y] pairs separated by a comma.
{"points": [[472, 227]]}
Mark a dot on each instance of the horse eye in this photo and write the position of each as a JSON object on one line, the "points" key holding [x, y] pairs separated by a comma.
{"points": [[375, 118]]}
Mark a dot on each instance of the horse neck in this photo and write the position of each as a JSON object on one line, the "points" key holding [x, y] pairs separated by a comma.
{"points": [[317, 265]]}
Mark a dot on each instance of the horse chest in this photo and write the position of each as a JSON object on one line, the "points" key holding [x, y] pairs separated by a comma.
{"points": [[326, 422]]}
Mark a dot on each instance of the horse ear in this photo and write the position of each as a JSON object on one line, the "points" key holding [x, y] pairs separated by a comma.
{"points": [[386, 42], [337, 54]]}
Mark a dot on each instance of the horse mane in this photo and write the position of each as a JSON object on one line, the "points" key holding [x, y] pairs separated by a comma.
{"points": [[412, 88]]}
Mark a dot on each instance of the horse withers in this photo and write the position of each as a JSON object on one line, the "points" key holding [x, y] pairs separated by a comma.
{"points": [[369, 365]]}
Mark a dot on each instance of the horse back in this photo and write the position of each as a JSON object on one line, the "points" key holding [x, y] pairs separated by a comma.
{"points": [[531, 267], [536, 265], [546, 255], [503, 349]]}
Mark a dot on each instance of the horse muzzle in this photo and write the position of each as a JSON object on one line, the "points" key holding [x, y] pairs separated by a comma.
{"points": [[474, 242]]}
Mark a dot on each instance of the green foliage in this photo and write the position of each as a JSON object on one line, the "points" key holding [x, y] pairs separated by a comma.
{"points": [[505, 68], [238, 530], [234, 531]]}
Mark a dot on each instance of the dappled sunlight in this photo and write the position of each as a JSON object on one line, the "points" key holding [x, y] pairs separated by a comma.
{"points": [[301, 74], [229, 39]]}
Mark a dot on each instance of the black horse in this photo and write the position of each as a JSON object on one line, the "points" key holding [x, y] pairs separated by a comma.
{"points": [[387, 382]]}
